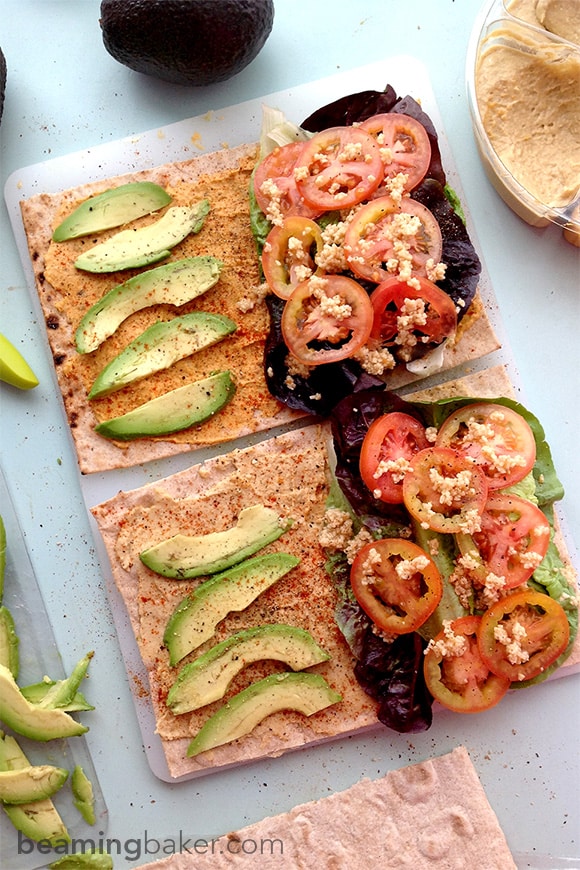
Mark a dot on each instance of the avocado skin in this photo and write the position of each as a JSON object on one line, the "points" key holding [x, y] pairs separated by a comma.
{"points": [[2, 81], [187, 42]]}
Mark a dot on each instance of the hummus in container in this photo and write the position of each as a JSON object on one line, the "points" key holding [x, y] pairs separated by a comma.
{"points": [[523, 84]]}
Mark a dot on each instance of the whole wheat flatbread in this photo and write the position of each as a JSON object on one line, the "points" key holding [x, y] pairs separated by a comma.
{"points": [[291, 474], [431, 814], [65, 294]]}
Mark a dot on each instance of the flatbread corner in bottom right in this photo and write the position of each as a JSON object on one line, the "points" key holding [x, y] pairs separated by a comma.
{"points": [[431, 814]]}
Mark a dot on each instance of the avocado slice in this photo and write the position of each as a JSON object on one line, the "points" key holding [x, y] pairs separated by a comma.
{"points": [[112, 208], [130, 249], [14, 369], [171, 412], [207, 678], [8, 642], [83, 796], [184, 556], [159, 346], [93, 860], [38, 820], [172, 284], [32, 783], [38, 723], [194, 620], [61, 694], [303, 692]]}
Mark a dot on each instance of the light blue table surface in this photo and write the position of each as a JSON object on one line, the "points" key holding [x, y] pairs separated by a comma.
{"points": [[66, 94]]}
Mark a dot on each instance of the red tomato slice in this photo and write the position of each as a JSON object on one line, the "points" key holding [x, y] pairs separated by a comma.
{"points": [[444, 490], [391, 441], [498, 438], [523, 634], [287, 256], [396, 583], [326, 319], [386, 238], [462, 682], [409, 319], [405, 145], [513, 538], [339, 168], [274, 185]]}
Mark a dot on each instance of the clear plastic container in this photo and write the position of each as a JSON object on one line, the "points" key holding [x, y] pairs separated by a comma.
{"points": [[500, 37]]}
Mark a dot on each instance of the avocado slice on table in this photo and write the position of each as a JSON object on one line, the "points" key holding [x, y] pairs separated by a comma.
{"points": [[38, 723], [194, 620], [83, 796], [184, 556], [8, 642], [14, 369], [93, 860], [171, 412], [207, 678], [112, 208], [174, 283], [304, 692], [27, 784], [159, 347], [132, 248], [61, 694], [37, 820]]}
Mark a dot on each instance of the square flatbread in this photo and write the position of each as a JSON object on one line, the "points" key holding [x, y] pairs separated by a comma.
{"points": [[289, 473], [65, 294], [431, 814]]}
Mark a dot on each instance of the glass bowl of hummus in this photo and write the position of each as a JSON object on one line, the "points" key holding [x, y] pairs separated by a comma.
{"points": [[523, 87]]}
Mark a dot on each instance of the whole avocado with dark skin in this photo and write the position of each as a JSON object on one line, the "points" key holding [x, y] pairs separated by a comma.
{"points": [[187, 42]]}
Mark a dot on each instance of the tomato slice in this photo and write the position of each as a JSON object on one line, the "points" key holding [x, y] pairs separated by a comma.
{"points": [[523, 634], [275, 188], [326, 319], [405, 145], [498, 438], [391, 441], [288, 255], [396, 583], [445, 491], [513, 538], [455, 672], [339, 168], [386, 238], [409, 319]]}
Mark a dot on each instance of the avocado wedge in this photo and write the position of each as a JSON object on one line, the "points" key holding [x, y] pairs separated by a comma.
{"points": [[14, 369], [171, 412], [172, 284], [184, 556], [194, 620], [130, 249], [37, 820], [159, 347], [38, 723], [32, 783], [304, 692], [206, 679], [83, 796], [112, 208], [9, 655]]}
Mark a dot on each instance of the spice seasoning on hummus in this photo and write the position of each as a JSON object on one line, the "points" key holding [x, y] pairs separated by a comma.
{"points": [[527, 91]]}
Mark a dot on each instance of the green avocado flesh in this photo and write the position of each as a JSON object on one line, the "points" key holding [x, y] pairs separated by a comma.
{"points": [[194, 620], [111, 209], [37, 820], [83, 797], [130, 249], [207, 678], [93, 860], [174, 411], [159, 347], [8, 642], [172, 284], [304, 693], [38, 723], [61, 694], [185, 556], [32, 783]]}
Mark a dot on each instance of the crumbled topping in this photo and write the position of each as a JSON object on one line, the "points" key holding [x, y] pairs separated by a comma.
{"points": [[450, 645], [512, 641]]}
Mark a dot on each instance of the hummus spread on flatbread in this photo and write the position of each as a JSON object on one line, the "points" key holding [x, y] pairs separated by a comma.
{"points": [[431, 814]]}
